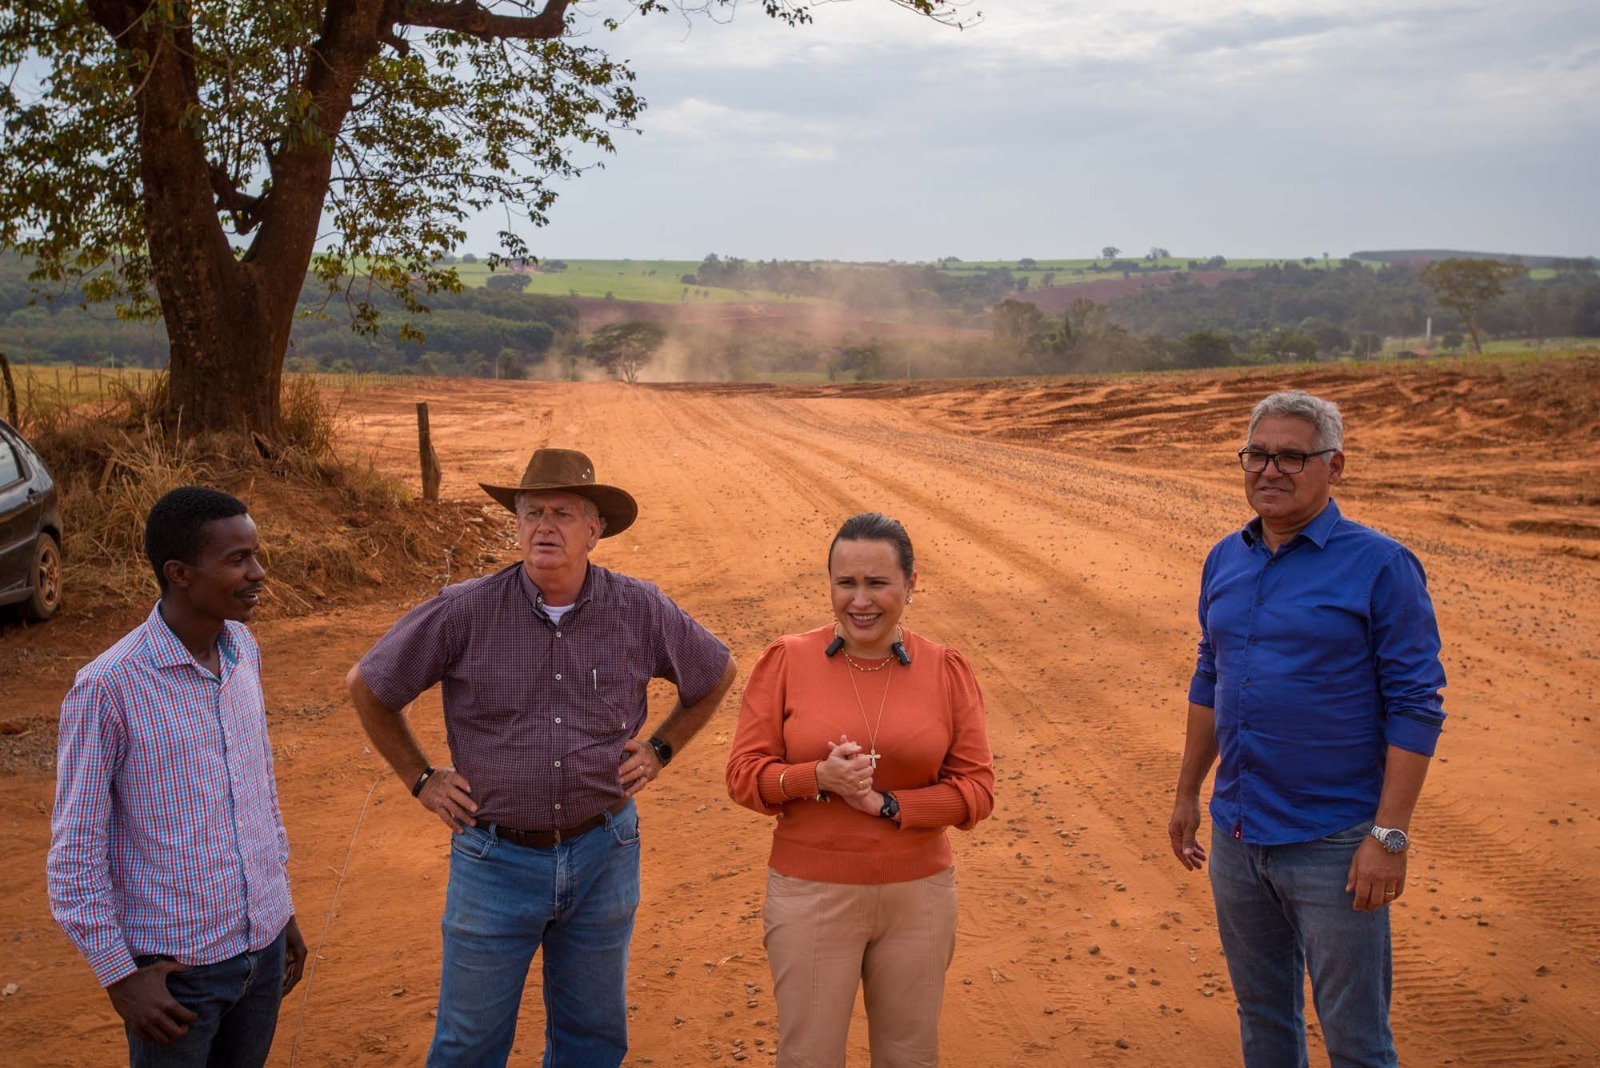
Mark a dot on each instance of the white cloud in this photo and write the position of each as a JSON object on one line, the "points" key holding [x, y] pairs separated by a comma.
{"points": [[1056, 126], [702, 126]]}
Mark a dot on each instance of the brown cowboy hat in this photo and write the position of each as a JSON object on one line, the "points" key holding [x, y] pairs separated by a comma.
{"points": [[569, 471]]}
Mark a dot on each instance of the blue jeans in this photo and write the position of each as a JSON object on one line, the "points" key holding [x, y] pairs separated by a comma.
{"points": [[1282, 911], [505, 901], [236, 1002]]}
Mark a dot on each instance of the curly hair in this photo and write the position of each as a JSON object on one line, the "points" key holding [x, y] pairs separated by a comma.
{"points": [[176, 527]]}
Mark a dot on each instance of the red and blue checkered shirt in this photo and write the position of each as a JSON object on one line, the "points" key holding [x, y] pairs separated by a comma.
{"points": [[166, 836]]}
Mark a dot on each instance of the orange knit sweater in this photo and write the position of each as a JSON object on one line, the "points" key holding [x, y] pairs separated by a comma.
{"points": [[933, 756]]}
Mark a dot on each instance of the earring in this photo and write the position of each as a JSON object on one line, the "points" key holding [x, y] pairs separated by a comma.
{"points": [[909, 598]]}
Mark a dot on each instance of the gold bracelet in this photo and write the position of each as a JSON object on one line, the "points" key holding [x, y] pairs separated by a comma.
{"points": [[781, 788]]}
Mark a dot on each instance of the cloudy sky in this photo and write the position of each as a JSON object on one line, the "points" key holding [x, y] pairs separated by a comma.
{"points": [[1054, 127]]}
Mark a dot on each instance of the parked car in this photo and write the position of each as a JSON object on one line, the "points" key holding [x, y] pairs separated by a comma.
{"points": [[30, 529]]}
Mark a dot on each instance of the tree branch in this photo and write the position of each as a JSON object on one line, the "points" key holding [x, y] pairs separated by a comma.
{"points": [[387, 35], [244, 207], [471, 18]]}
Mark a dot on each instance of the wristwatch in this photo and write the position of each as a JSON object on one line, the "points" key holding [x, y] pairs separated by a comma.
{"points": [[891, 807], [663, 750], [1393, 838]]}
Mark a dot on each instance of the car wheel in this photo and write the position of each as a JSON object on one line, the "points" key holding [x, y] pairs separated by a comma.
{"points": [[46, 579]]}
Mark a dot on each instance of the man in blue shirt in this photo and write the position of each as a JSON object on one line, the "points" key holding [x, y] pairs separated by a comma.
{"points": [[1317, 685]]}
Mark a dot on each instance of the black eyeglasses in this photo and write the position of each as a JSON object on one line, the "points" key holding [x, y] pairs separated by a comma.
{"points": [[1289, 463]]}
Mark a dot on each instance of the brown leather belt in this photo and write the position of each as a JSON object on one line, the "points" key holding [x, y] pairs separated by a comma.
{"points": [[555, 836]]}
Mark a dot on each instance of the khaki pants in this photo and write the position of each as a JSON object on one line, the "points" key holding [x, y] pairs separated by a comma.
{"points": [[895, 940]]}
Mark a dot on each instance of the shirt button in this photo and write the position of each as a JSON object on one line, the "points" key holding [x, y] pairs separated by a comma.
{"points": [[558, 719], [1261, 600], [1247, 682], [558, 676], [558, 804], [558, 763], [558, 634]]}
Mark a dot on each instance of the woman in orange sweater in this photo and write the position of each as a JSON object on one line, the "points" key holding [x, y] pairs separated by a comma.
{"points": [[866, 741]]}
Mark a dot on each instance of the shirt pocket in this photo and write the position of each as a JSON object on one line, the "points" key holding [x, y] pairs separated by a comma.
{"points": [[616, 697]]}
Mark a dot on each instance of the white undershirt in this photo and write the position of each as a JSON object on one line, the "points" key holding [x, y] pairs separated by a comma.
{"points": [[556, 611]]}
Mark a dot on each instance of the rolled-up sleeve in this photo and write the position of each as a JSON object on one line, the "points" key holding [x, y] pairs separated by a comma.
{"points": [[1405, 647], [1203, 684], [90, 748]]}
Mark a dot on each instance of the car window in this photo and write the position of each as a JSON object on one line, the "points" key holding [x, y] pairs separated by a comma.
{"points": [[10, 470]]}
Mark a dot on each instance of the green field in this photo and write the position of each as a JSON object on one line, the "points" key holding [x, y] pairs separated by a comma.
{"points": [[651, 281], [660, 281]]}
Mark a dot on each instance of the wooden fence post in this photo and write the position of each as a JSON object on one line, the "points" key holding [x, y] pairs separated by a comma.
{"points": [[430, 459]]}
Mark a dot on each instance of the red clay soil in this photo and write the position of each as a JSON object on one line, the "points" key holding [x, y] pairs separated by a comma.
{"points": [[1060, 528]]}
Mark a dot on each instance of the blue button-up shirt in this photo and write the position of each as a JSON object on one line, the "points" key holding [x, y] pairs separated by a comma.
{"points": [[1316, 659], [166, 837]]}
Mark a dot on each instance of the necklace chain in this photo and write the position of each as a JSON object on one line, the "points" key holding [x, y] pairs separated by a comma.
{"points": [[853, 662], [872, 728]]}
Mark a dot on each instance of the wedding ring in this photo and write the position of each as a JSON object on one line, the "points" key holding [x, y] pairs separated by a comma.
{"points": [[1390, 893]]}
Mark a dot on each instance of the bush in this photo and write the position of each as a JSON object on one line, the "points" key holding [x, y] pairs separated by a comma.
{"points": [[515, 283]]}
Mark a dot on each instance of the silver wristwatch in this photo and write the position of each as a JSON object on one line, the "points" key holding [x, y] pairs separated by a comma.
{"points": [[1393, 838]]}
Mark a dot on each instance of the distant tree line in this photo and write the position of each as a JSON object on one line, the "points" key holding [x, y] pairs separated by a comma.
{"points": [[1272, 314], [1343, 308], [946, 291], [920, 287], [1417, 256], [489, 332]]}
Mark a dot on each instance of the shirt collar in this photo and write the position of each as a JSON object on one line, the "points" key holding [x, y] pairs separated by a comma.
{"points": [[1317, 531], [169, 652], [593, 586]]}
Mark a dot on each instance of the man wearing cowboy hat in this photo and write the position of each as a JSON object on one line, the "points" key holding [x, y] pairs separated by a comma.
{"points": [[543, 669]]}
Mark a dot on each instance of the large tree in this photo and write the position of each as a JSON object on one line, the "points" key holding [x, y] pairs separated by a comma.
{"points": [[1468, 287], [194, 160], [1017, 324], [624, 348]]}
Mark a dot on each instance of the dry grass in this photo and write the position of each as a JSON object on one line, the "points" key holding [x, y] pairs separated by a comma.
{"points": [[328, 526]]}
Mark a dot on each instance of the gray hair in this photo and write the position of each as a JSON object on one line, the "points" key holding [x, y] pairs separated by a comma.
{"points": [[589, 508], [1323, 415]]}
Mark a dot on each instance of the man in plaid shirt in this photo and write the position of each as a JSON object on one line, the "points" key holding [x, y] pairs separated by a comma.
{"points": [[168, 859], [544, 668]]}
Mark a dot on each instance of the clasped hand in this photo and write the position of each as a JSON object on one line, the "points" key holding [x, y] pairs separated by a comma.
{"points": [[847, 774]]}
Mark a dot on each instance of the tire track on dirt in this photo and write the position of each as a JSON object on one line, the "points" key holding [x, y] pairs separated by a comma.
{"points": [[1025, 729], [1103, 768]]}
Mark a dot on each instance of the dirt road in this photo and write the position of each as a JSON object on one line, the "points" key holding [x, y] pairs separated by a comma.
{"points": [[1059, 533]]}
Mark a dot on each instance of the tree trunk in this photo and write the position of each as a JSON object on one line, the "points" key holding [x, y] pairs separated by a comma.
{"points": [[228, 315], [226, 364]]}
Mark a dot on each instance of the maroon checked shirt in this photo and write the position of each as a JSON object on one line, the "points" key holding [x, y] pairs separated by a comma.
{"points": [[535, 712]]}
